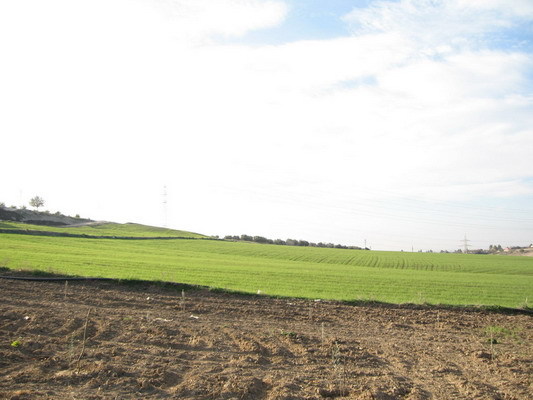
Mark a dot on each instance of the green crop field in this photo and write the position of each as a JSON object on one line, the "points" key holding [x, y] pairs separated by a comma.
{"points": [[308, 272], [104, 229]]}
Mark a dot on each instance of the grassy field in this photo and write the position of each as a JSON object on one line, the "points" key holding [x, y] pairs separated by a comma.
{"points": [[104, 229], [307, 272]]}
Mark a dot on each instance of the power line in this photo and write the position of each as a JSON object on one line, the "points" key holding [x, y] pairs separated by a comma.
{"points": [[421, 211]]}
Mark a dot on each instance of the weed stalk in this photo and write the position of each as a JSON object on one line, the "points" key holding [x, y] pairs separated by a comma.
{"points": [[83, 342], [339, 368]]}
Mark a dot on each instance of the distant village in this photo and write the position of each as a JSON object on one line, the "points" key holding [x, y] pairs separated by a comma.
{"points": [[496, 249]]}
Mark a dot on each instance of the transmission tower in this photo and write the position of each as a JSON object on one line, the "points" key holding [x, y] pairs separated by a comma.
{"points": [[165, 206], [465, 244]]}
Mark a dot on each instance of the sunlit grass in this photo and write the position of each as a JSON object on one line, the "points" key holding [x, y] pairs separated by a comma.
{"points": [[105, 229], [282, 270]]}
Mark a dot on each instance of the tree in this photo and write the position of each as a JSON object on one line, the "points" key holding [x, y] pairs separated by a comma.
{"points": [[36, 202], [260, 239]]}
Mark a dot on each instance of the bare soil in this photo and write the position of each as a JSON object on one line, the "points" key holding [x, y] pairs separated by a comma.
{"points": [[148, 342]]}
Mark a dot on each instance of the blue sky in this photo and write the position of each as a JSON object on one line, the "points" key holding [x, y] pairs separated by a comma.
{"points": [[315, 20], [404, 123], [307, 20]]}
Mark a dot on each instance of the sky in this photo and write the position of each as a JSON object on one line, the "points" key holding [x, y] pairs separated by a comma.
{"points": [[405, 124]]}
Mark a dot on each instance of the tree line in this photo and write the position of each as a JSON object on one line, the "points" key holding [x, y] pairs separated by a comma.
{"points": [[289, 242]]}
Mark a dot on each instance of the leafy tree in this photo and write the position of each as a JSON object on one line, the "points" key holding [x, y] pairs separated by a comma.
{"points": [[36, 202], [260, 239]]}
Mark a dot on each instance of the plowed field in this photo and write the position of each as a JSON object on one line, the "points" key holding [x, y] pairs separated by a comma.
{"points": [[104, 340]]}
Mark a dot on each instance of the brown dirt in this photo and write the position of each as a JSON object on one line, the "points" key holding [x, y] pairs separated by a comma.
{"points": [[147, 342]]}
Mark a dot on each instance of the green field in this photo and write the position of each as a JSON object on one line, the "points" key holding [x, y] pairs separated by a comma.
{"points": [[104, 229], [307, 272]]}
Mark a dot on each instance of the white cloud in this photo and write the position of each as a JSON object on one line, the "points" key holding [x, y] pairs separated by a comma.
{"points": [[459, 76], [200, 19], [499, 9], [440, 25]]}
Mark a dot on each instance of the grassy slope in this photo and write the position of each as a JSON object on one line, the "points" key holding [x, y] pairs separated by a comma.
{"points": [[282, 270], [105, 229]]}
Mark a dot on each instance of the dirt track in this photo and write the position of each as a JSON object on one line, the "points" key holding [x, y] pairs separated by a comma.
{"points": [[146, 342]]}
